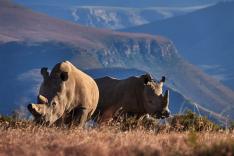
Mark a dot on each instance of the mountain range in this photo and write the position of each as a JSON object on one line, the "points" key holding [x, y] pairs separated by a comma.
{"points": [[119, 3], [111, 17], [32, 40], [204, 37]]}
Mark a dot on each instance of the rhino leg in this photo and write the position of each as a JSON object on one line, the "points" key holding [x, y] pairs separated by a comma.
{"points": [[106, 116], [83, 117]]}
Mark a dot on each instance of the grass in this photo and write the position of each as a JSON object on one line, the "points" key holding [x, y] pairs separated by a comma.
{"points": [[125, 136]]}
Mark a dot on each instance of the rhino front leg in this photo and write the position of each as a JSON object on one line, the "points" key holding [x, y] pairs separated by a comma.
{"points": [[82, 117]]}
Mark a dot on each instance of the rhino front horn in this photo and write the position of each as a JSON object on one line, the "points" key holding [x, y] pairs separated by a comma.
{"points": [[33, 109], [166, 96]]}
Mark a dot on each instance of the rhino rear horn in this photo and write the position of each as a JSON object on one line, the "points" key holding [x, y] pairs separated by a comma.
{"points": [[42, 99], [44, 72]]}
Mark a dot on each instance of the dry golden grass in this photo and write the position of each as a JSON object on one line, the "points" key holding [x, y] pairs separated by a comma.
{"points": [[25, 138]]}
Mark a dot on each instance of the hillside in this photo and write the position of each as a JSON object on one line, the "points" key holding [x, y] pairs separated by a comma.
{"points": [[111, 17], [204, 37], [119, 3], [31, 40]]}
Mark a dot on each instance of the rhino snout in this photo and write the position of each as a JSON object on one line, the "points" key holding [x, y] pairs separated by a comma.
{"points": [[166, 114]]}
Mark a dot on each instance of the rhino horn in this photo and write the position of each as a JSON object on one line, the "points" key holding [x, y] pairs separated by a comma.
{"points": [[36, 109], [42, 99], [33, 109], [166, 97]]}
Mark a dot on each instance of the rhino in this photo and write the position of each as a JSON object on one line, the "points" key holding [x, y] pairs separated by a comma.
{"points": [[65, 93], [136, 95]]}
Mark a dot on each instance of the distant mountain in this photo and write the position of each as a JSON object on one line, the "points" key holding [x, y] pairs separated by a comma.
{"points": [[111, 17], [119, 3], [30, 40], [205, 37]]}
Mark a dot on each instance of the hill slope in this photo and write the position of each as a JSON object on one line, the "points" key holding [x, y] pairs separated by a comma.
{"points": [[204, 37], [109, 16], [119, 3], [30, 40]]}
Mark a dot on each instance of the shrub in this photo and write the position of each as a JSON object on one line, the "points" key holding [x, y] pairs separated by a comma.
{"points": [[10, 122], [125, 122], [231, 125], [190, 121]]}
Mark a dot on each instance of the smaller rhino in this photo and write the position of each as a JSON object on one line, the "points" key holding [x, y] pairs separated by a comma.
{"points": [[135, 95], [65, 94]]}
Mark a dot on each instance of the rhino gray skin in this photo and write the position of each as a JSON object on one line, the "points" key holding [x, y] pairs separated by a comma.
{"points": [[135, 95], [65, 93]]}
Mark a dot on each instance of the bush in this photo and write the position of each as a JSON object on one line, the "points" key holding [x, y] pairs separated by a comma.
{"points": [[6, 118], [192, 122], [10, 122], [231, 125], [126, 122]]}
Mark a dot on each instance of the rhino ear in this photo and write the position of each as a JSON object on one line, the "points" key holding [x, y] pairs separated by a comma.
{"points": [[146, 78], [44, 72], [64, 76]]}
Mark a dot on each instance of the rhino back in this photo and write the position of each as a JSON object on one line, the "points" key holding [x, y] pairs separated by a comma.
{"points": [[116, 93]]}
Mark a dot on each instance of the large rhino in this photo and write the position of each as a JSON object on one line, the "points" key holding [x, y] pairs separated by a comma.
{"points": [[65, 93], [135, 95]]}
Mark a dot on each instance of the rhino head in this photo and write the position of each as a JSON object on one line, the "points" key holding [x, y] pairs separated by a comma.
{"points": [[154, 101], [53, 95]]}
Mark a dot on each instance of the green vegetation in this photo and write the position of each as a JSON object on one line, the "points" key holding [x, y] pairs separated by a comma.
{"points": [[232, 125], [192, 122], [189, 121], [125, 122]]}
